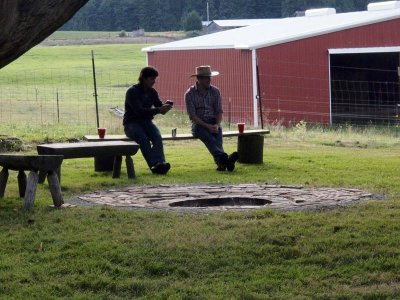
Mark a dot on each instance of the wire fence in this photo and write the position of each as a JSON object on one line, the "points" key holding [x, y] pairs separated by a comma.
{"points": [[44, 97], [54, 97], [365, 102]]}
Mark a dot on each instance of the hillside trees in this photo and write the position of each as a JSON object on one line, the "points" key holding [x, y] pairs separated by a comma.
{"points": [[165, 15], [192, 21]]}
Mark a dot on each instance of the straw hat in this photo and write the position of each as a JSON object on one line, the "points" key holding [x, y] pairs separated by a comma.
{"points": [[205, 71]]}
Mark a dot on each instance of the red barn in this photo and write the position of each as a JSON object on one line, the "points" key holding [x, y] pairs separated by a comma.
{"points": [[323, 67]]}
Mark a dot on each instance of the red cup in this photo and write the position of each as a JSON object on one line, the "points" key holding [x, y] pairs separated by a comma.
{"points": [[240, 127], [101, 132]]}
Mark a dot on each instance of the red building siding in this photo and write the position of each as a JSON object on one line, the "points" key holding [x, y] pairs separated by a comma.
{"points": [[294, 76], [234, 81]]}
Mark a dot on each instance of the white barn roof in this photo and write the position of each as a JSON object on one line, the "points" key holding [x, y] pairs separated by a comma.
{"points": [[238, 22], [276, 31]]}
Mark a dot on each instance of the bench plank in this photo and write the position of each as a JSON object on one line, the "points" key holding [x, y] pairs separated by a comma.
{"points": [[115, 149], [30, 162], [169, 137], [89, 149]]}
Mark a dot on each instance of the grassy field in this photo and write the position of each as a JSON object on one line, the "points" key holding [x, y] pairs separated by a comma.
{"points": [[60, 35], [31, 84], [67, 35], [104, 253], [95, 252]]}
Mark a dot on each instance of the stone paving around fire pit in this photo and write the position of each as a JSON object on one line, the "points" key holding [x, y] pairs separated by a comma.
{"points": [[226, 197]]}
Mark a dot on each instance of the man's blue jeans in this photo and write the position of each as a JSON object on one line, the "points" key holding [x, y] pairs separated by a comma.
{"points": [[213, 141], [147, 135]]}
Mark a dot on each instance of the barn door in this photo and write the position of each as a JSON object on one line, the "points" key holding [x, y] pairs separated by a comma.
{"points": [[365, 88]]}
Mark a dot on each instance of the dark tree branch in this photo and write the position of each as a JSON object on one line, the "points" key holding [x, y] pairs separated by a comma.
{"points": [[26, 23]]}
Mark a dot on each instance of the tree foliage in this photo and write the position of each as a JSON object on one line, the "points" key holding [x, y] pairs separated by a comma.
{"points": [[192, 21], [165, 15]]}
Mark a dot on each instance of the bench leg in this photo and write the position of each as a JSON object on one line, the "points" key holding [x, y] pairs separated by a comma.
{"points": [[117, 166], [3, 181], [42, 176], [30, 193], [21, 183], [250, 149], [130, 167], [55, 189]]}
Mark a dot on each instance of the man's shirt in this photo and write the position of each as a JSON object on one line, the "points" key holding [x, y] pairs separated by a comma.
{"points": [[140, 104], [207, 106]]}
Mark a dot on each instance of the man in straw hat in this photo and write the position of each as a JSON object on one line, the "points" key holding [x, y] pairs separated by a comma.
{"points": [[204, 106], [141, 105]]}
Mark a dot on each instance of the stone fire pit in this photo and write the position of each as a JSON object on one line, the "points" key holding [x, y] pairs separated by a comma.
{"points": [[226, 197]]}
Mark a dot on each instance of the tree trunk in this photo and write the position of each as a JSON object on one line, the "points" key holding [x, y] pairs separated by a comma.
{"points": [[250, 148], [26, 23]]}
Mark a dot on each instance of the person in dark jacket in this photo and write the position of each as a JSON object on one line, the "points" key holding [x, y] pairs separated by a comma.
{"points": [[142, 103]]}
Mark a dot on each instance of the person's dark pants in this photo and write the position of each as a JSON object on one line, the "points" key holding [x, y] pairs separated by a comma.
{"points": [[213, 142], [147, 135]]}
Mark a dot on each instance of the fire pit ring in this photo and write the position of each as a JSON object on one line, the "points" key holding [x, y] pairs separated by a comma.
{"points": [[223, 201]]}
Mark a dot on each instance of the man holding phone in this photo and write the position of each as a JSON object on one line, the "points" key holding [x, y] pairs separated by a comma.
{"points": [[142, 103]]}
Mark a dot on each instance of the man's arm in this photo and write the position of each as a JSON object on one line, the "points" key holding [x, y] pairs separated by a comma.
{"points": [[162, 108], [200, 122], [191, 110], [219, 118]]}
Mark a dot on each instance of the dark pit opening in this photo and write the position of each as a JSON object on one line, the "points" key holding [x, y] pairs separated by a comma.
{"points": [[229, 201]]}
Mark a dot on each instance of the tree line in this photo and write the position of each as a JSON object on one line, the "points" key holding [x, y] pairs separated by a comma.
{"points": [[167, 15]]}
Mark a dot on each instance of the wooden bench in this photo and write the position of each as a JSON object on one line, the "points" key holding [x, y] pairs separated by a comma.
{"points": [[46, 164], [116, 148], [178, 137], [250, 142]]}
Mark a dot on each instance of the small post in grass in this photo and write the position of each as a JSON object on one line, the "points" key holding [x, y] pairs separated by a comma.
{"points": [[229, 111], [95, 90], [58, 109]]}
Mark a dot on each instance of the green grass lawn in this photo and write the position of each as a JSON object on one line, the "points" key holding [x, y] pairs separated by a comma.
{"points": [[53, 86], [108, 253], [67, 35], [96, 252]]}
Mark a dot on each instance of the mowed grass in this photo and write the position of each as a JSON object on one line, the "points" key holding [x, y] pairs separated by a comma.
{"points": [[31, 86], [98, 252], [109, 253], [67, 35]]}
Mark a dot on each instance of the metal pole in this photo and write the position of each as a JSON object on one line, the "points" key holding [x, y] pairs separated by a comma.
{"points": [[230, 113], [398, 104], [95, 90], [58, 109], [259, 96], [208, 14]]}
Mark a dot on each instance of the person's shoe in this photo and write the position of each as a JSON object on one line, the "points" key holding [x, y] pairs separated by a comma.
{"points": [[232, 160], [223, 162], [165, 168], [221, 168], [160, 168]]}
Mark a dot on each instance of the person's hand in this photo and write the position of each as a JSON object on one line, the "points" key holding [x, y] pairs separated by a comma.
{"points": [[164, 108], [213, 128]]}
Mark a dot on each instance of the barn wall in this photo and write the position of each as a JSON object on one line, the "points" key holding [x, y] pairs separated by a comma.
{"points": [[234, 81], [294, 76]]}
